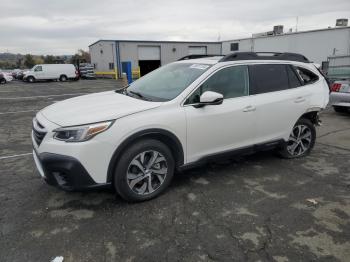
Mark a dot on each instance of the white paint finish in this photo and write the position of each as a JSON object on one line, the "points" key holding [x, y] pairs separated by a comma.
{"points": [[201, 131], [102, 59], [315, 45], [148, 52], [95, 108], [51, 71], [197, 50], [218, 128]]}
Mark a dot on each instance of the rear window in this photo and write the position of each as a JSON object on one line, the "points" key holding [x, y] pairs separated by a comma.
{"points": [[294, 80], [307, 76], [268, 78]]}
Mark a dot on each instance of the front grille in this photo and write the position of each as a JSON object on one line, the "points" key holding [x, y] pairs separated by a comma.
{"points": [[39, 132]]}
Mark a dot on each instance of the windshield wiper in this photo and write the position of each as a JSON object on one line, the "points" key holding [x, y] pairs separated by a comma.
{"points": [[121, 90], [138, 94]]}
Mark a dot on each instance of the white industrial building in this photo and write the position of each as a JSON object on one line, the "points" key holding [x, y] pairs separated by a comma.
{"points": [[317, 45], [108, 55]]}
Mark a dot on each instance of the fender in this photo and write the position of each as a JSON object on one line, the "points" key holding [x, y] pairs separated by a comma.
{"points": [[164, 136]]}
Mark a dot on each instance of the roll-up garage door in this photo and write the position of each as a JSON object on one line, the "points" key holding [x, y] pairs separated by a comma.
{"points": [[149, 52], [197, 50]]}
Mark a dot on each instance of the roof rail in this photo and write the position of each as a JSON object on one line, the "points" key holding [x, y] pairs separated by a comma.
{"points": [[264, 56], [196, 57]]}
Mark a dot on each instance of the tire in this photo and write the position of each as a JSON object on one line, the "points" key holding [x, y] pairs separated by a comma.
{"points": [[3, 81], [301, 140], [63, 78], [340, 109], [31, 79], [135, 186]]}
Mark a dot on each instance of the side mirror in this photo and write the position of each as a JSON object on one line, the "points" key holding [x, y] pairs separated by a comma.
{"points": [[210, 98]]}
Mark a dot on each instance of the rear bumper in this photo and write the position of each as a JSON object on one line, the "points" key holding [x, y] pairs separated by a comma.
{"points": [[64, 171], [339, 99]]}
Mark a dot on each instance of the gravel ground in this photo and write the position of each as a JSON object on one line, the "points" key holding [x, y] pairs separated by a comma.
{"points": [[252, 208]]}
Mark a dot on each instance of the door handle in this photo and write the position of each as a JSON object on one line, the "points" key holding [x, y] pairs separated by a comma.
{"points": [[299, 99], [249, 109]]}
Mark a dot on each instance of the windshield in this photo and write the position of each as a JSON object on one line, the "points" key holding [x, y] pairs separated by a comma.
{"points": [[168, 81]]}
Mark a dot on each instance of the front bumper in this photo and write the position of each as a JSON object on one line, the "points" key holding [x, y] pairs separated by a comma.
{"points": [[339, 99], [64, 171]]}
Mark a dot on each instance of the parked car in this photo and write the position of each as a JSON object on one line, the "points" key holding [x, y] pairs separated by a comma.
{"points": [[2, 78], [5, 77], [178, 116], [340, 96], [62, 72]]}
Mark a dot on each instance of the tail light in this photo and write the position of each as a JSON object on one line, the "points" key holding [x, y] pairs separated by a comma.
{"points": [[336, 87]]}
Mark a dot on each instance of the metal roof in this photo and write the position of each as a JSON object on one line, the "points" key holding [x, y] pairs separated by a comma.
{"points": [[292, 33], [156, 41]]}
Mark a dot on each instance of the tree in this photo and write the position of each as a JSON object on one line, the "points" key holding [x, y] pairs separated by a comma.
{"points": [[29, 61], [80, 57], [49, 59]]}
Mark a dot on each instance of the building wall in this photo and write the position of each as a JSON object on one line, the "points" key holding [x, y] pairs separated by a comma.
{"points": [[129, 52], [315, 45], [103, 53]]}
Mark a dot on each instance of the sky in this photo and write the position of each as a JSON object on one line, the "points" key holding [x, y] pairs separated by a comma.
{"points": [[61, 27]]}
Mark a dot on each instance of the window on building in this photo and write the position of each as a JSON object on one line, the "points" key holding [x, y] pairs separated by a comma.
{"points": [[230, 82], [111, 66], [95, 65], [268, 78], [306, 75], [234, 47]]}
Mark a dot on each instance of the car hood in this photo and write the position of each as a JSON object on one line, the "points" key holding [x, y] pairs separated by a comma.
{"points": [[95, 108]]}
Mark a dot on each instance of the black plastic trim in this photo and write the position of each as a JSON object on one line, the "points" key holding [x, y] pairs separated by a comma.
{"points": [[161, 134], [235, 152], [268, 56], [66, 172]]}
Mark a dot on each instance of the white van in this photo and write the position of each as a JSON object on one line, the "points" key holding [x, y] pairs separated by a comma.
{"points": [[61, 72]]}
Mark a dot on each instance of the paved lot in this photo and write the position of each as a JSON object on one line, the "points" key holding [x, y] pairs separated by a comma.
{"points": [[255, 208]]}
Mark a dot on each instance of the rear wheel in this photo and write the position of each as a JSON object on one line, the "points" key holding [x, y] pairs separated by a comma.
{"points": [[301, 140], [340, 109], [31, 79], [63, 78], [3, 81], [144, 170]]}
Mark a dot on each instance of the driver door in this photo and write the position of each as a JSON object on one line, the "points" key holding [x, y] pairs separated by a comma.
{"points": [[218, 128]]}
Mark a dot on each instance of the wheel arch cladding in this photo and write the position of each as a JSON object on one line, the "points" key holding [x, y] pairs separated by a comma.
{"points": [[164, 136], [312, 116]]}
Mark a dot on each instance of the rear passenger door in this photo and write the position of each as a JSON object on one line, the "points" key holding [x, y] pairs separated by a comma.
{"points": [[278, 98]]}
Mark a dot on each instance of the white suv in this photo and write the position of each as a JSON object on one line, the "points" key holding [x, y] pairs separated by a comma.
{"points": [[177, 116]]}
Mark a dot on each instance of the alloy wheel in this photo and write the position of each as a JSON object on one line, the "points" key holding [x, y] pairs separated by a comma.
{"points": [[147, 172], [299, 140]]}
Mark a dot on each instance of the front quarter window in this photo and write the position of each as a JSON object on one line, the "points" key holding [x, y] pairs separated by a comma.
{"points": [[167, 82]]}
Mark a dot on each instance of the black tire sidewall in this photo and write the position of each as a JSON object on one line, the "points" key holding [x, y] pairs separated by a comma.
{"points": [[303, 121], [63, 78], [120, 180], [31, 79]]}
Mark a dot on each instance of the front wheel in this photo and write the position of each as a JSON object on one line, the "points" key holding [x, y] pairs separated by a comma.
{"points": [[301, 140], [144, 170], [31, 79]]}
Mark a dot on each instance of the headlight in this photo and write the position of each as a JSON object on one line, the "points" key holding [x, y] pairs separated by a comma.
{"points": [[81, 133]]}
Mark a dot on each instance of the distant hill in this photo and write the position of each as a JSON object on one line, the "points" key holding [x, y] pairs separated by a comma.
{"points": [[11, 61]]}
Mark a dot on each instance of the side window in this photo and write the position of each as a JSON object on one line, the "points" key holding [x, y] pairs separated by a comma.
{"points": [[230, 82], [38, 69], [294, 80], [267, 78], [306, 75]]}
